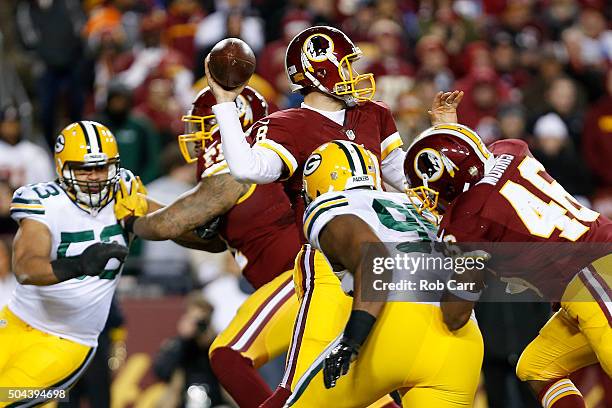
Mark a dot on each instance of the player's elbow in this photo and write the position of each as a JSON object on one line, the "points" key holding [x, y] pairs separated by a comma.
{"points": [[242, 175]]}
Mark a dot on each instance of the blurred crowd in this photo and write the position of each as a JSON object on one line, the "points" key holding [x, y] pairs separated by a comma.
{"points": [[534, 70]]}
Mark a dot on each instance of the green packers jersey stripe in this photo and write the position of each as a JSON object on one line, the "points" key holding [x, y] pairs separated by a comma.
{"points": [[26, 201], [25, 211], [320, 203], [320, 211], [348, 156]]}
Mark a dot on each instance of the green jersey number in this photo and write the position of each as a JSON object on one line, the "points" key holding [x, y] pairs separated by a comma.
{"points": [[68, 238], [48, 191], [410, 223]]}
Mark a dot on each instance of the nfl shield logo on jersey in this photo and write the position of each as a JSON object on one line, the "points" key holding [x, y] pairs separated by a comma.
{"points": [[350, 134]]}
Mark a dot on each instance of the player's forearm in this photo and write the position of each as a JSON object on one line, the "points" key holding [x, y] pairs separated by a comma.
{"points": [[246, 164], [191, 241], [34, 271], [212, 197]]}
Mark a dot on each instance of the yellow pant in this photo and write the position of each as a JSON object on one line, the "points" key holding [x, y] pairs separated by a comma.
{"points": [[579, 334], [34, 359], [261, 329], [409, 350]]}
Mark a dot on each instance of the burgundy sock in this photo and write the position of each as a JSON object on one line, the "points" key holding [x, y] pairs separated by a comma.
{"points": [[561, 394], [278, 399], [392, 405], [239, 378]]}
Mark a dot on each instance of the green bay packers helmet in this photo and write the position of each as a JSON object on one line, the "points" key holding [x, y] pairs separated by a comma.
{"points": [[85, 145], [339, 165]]}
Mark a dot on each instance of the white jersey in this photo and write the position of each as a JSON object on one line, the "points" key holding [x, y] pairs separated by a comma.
{"points": [[394, 220], [392, 216], [76, 309]]}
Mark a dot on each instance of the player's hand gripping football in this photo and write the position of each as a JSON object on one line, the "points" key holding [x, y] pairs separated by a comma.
{"points": [[338, 361], [444, 107], [221, 95], [132, 203]]}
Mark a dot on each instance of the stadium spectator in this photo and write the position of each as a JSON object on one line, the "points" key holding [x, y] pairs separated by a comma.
{"points": [[181, 24], [21, 161], [151, 59], [139, 143], [271, 61], [183, 361], [555, 151], [52, 30], [162, 109], [7, 279], [562, 99], [589, 42], [433, 60], [484, 94], [512, 122], [233, 18], [597, 137], [393, 74]]}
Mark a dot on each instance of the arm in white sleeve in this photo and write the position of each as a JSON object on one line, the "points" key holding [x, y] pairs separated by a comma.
{"points": [[392, 169], [247, 164]]}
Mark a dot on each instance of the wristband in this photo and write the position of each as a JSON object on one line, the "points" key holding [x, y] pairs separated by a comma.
{"points": [[66, 268], [358, 327]]}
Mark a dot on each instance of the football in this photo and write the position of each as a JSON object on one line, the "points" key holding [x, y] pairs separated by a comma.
{"points": [[231, 63]]}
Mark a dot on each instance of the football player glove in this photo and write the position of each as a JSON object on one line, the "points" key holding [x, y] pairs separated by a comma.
{"points": [[91, 262], [132, 202], [338, 361]]}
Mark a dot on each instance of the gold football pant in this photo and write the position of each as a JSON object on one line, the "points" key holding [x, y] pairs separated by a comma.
{"points": [[409, 350], [261, 329], [579, 334], [30, 358]]}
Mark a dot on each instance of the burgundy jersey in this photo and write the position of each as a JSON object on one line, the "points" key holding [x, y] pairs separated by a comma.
{"points": [[260, 226], [518, 202], [295, 133]]}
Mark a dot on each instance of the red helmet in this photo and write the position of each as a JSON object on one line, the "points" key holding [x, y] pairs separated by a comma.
{"points": [[444, 161], [200, 122], [321, 57]]}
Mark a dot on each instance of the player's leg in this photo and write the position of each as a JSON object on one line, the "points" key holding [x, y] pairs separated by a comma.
{"points": [[591, 306], [323, 311], [37, 360], [546, 363], [448, 368], [416, 352], [259, 332]]}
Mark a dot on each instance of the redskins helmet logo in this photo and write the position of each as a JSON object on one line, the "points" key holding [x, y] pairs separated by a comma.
{"points": [[312, 164], [318, 47], [245, 113], [428, 165]]}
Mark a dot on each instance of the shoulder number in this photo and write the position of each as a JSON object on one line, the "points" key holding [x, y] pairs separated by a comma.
{"points": [[542, 218]]}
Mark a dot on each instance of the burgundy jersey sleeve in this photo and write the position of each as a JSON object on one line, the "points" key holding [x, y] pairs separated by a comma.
{"points": [[274, 133]]}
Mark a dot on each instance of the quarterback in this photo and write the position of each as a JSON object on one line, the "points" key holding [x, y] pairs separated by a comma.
{"points": [[400, 345], [501, 194], [337, 106], [67, 255], [257, 222]]}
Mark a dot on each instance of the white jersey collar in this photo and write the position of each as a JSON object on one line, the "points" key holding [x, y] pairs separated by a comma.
{"points": [[336, 116]]}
